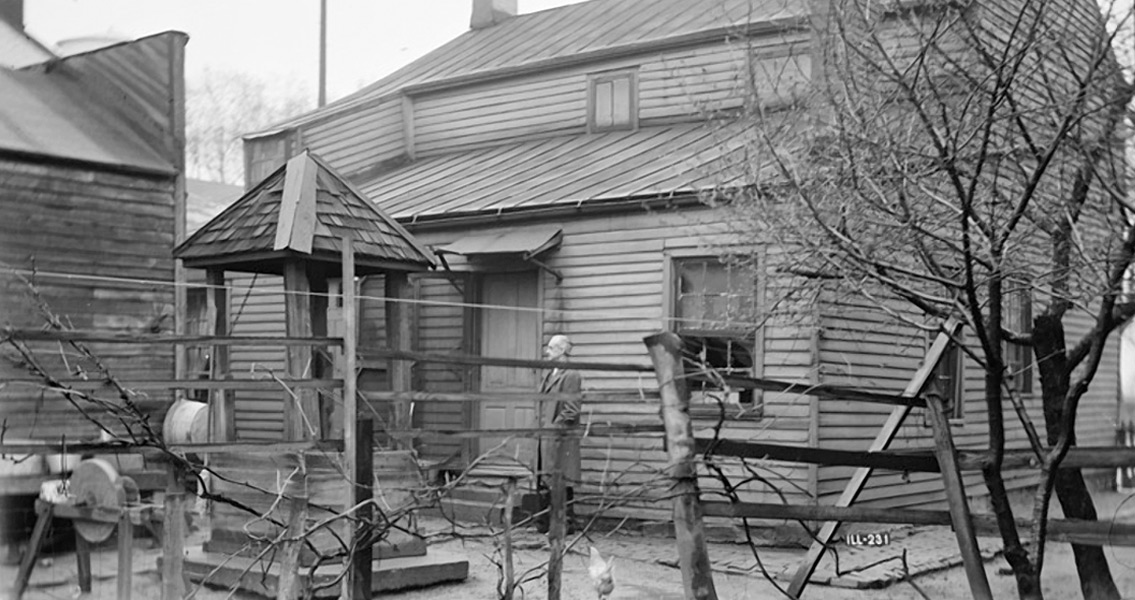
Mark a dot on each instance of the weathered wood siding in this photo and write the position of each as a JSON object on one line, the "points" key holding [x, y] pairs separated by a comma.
{"points": [[610, 298], [100, 245], [675, 85], [358, 139], [862, 346], [256, 308]]}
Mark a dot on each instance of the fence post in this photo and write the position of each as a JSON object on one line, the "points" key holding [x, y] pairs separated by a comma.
{"points": [[665, 351], [558, 513]]}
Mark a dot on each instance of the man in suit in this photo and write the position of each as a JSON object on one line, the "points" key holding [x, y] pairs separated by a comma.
{"points": [[560, 380]]}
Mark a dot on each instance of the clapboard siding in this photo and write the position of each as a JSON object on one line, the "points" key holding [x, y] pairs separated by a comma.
{"points": [[710, 79], [99, 244], [546, 104], [440, 330], [256, 308], [610, 298], [359, 139], [672, 85], [854, 351]]}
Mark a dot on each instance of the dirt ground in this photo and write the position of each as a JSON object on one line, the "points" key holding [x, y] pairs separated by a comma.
{"points": [[634, 579], [643, 570]]}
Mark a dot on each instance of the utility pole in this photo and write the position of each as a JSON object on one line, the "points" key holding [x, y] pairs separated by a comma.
{"points": [[322, 52]]}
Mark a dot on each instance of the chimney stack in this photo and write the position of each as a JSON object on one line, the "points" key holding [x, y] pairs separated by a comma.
{"points": [[12, 12], [486, 13]]}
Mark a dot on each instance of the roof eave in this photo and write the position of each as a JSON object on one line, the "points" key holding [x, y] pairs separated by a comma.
{"points": [[684, 199]]}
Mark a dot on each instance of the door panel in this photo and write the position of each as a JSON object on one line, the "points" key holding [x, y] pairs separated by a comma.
{"points": [[510, 334]]}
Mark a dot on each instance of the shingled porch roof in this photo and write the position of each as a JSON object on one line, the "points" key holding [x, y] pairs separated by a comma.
{"points": [[301, 211]]}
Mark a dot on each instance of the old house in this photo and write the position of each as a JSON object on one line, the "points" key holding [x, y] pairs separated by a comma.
{"points": [[556, 161], [91, 193]]}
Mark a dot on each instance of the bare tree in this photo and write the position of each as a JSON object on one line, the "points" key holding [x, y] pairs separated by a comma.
{"points": [[223, 105], [966, 159]]}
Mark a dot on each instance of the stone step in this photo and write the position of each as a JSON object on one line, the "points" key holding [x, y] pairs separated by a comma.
{"points": [[261, 577]]}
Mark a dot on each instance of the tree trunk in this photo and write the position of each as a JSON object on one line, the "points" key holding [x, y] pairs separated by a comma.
{"points": [[1096, 582]]}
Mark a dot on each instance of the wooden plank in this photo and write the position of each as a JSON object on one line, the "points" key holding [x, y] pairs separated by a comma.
{"points": [[605, 430], [124, 581], [956, 499], [1071, 531], [882, 440], [361, 493], [35, 544], [289, 588], [232, 385], [222, 416], [301, 410], [467, 359], [83, 563], [173, 540], [399, 333], [116, 337], [557, 517], [818, 456], [589, 398], [697, 579]]}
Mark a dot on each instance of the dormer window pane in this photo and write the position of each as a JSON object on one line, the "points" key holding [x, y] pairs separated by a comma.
{"points": [[612, 102]]}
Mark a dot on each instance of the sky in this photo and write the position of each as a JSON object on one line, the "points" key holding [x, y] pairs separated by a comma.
{"points": [[277, 40]]}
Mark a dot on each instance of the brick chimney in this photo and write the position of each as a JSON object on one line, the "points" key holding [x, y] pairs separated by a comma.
{"points": [[12, 13], [486, 13]]}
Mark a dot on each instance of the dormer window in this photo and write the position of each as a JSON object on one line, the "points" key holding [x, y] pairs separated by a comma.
{"points": [[613, 101]]}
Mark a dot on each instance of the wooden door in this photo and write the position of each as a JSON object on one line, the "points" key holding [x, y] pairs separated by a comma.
{"points": [[510, 334]]}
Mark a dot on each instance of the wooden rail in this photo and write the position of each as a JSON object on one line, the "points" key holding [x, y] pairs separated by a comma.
{"points": [[1072, 531], [112, 337], [920, 460]]}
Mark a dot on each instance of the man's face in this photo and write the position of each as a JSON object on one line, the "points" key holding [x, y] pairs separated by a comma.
{"points": [[555, 349]]}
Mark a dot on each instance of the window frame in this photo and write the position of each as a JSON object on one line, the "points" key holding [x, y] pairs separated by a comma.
{"points": [[594, 80], [754, 407], [1017, 315]]}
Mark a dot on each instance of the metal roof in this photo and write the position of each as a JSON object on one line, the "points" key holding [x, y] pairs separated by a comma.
{"points": [[302, 210], [548, 36], [651, 162], [528, 241], [53, 114]]}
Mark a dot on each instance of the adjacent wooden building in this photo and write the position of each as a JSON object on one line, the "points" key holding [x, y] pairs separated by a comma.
{"points": [[92, 198], [557, 161]]}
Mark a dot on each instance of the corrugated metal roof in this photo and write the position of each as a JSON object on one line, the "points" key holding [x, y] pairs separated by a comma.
{"points": [[53, 114], [18, 50], [249, 227], [548, 35], [649, 162]]}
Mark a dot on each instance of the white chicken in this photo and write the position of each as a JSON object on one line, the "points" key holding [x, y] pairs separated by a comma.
{"points": [[601, 572]]}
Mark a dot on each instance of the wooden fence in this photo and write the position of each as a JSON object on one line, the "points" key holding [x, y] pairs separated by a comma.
{"points": [[943, 458]]}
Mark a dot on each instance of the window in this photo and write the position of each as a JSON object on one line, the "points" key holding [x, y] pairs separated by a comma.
{"points": [[265, 155], [715, 310], [948, 383], [1018, 317], [613, 102]]}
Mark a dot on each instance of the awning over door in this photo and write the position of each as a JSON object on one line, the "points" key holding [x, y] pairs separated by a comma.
{"points": [[528, 242]]}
